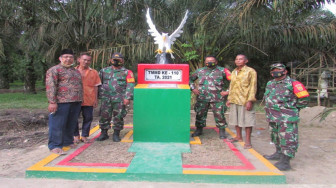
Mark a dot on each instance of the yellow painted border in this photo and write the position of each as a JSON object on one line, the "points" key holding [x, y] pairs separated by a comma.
{"points": [[196, 140], [236, 173], [40, 166], [270, 166], [145, 86], [256, 154], [127, 137]]}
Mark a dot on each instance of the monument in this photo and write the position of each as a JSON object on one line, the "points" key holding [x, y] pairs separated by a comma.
{"points": [[161, 110], [164, 41]]}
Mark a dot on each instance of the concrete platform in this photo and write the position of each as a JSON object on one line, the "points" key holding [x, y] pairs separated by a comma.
{"points": [[160, 162]]}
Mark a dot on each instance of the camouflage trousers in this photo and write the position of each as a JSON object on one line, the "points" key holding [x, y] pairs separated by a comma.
{"points": [[112, 110], [285, 137], [218, 109]]}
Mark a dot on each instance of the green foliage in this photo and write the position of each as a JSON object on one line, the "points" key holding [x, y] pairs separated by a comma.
{"points": [[264, 30], [189, 53], [21, 100], [19, 85]]}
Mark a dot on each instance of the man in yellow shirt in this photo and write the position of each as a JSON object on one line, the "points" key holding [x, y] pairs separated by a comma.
{"points": [[242, 91]]}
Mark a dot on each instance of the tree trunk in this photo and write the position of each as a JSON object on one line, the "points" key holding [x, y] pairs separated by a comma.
{"points": [[45, 69], [4, 74], [30, 77]]}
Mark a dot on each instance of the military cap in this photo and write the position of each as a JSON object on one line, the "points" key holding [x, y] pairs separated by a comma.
{"points": [[278, 66], [67, 51], [117, 55]]}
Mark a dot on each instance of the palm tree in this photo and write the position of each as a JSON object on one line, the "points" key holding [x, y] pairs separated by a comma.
{"points": [[9, 36], [265, 30]]}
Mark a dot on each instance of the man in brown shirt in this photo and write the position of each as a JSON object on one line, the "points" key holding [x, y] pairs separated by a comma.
{"points": [[91, 81], [64, 93]]}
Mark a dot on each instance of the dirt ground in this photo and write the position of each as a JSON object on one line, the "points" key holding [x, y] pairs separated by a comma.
{"points": [[24, 133]]}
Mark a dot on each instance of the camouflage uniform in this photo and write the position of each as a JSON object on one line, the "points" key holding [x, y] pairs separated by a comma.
{"points": [[210, 84], [117, 85], [284, 99]]}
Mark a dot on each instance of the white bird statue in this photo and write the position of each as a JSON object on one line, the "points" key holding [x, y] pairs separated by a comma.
{"points": [[163, 40]]}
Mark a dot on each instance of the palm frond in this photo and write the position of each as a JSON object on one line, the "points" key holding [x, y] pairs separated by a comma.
{"points": [[324, 114]]}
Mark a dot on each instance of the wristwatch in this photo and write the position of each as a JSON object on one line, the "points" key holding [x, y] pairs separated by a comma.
{"points": [[192, 87]]}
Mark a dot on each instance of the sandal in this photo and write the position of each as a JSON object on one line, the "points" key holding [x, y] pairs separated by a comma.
{"points": [[72, 146], [232, 140], [76, 140], [247, 146], [58, 151], [86, 140]]}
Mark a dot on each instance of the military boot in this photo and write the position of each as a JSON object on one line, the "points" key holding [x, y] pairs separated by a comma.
{"points": [[116, 137], [274, 156], [103, 135], [222, 133], [199, 131], [283, 164]]}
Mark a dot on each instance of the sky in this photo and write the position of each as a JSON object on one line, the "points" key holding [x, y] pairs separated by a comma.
{"points": [[331, 7]]}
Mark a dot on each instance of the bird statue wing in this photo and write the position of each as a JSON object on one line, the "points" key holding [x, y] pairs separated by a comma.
{"points": [[178, 31], [152, 29]]}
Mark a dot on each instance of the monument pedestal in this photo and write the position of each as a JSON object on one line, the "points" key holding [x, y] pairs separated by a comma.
{"points": [[161, 131], [161, 114]]}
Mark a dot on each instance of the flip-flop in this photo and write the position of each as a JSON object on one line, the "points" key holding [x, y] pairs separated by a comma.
{"points": [[86, 141], [232, 140], [76, 140], [58, 151], [247, 146], [72, 146]]}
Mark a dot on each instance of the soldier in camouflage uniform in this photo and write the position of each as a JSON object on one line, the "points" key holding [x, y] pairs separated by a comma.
{"points": [[115, 93], [284, 97], [210, 92]]}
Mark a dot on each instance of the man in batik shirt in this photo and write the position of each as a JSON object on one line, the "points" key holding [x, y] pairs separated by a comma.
{"points": [[64, 93], [210, 93], [243, 88], [115, 93], [284, 97]]}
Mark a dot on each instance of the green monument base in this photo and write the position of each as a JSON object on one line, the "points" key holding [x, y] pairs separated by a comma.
{"points": [[161, 114]]}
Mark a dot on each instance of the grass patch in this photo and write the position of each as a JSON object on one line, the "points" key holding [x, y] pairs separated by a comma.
{"points": [[20, 85], [21, 100]]}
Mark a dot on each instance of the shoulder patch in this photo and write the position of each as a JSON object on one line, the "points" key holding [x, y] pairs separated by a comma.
{"points": [[299, 90], [227, 73], [130, 77]]}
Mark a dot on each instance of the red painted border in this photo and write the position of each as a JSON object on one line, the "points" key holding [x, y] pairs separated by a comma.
{"points": [[66, 161], [143, 67], [246, 163]]}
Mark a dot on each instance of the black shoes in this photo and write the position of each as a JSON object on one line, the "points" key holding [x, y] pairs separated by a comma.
{"points": [[283, 164], [116, 137], [103, 135], [274, 156], [198, 132], [222, 133]]}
